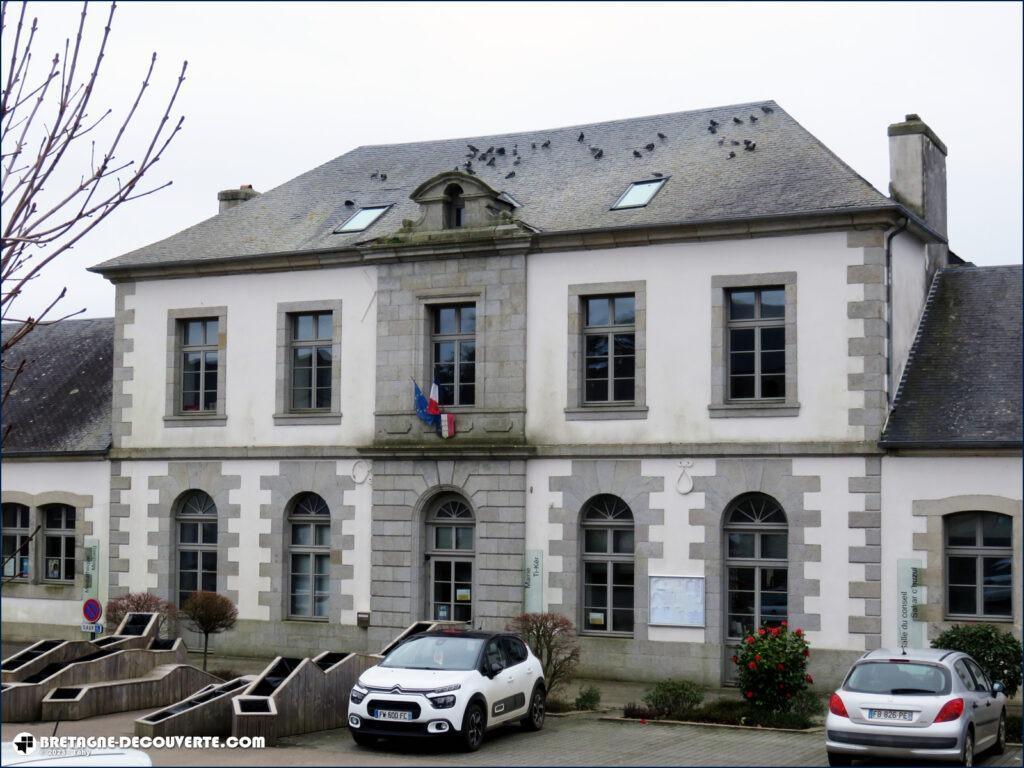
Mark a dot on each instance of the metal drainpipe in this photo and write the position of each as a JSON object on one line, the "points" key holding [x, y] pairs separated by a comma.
{"points": [[890, 394]]}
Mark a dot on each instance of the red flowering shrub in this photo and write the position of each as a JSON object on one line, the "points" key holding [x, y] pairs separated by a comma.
{"points": [[773, 667]]}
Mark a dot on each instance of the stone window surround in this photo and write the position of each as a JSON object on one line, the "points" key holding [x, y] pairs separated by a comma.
{"points": [[575, 410], [932, 544], [36, 587], [284, 415], [423, 360], [173, 415], [431, 522], [721, 406], [975, 553]]}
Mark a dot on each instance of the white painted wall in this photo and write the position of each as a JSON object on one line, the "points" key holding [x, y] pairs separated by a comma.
{"points": [[249, 526], [678, 278], [909, 290], [909, 478], [252, 301], [86, 478], [835, 537]]}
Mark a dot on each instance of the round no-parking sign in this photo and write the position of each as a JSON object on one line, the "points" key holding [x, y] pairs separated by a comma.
{"points": [[92, 610]]}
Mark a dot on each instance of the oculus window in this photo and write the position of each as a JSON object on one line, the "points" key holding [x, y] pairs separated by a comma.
{"points": [[639, 194], [362, 219]]}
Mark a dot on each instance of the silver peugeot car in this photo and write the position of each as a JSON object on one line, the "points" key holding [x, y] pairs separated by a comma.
{"points": [[915, 704]]}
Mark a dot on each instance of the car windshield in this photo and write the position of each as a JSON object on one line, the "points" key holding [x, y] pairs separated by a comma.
{"points": [[894, 678], [440, 652]]}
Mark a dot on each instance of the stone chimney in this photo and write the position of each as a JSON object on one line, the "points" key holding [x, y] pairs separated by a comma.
{"points": [[917, 171], [229, 198]]}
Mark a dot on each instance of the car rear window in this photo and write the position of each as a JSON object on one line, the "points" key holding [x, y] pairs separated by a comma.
{"points": [[894, 678]]}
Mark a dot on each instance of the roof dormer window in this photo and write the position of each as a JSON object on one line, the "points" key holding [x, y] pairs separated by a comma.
{"points": [[362, 219], [454, 207], [639, 194]]}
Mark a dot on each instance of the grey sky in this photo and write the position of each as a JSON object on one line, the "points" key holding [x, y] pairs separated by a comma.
{"points": [[275, 89]]}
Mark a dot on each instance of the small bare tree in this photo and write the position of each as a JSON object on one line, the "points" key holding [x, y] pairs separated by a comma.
{"points": [[143, 602], [209, 614], [552, 638], [58, 180]]}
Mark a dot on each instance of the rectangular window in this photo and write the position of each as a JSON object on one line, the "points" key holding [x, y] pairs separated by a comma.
{"points": [[453, 352], [609, 349], [311, 360], [197, 558], [362, 219], [638, 194], [756, 343], [200, 361], [59, 543], [17, 558], [979, 565]]}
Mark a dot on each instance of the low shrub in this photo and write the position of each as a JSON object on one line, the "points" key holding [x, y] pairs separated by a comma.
{"points": [[772, 665], [588, 698], [636, 711], [808, 704], [674, 698], [997, 652]]}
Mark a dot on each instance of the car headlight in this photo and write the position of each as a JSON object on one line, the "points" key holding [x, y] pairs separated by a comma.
{"points": [[358, 694], [442, 702], [445, 689]]}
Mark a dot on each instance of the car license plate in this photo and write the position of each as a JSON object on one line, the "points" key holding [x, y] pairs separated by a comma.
{"points": [[889, 714], [392, 714]]}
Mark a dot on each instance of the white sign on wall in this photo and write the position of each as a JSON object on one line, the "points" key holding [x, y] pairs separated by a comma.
{"points": [[677, 601], [533, 581], [909, 596]]}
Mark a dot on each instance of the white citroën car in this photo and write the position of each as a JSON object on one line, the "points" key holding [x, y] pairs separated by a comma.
{"points": [[449, 683], [915, 704]]}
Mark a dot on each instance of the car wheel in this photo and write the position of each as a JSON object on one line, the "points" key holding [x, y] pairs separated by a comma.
{"points": [[534, 719], [967, 753], [1000, 746], [472, 735], [836, 759], [363, 739]]}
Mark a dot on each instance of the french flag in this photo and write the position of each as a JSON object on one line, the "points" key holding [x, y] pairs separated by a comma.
{"points": [[447, 428], [429, 411]]}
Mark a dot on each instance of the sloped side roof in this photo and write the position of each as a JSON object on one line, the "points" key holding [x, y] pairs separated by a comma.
{"points": [[61, 402], [962, 383], [561, 187]]}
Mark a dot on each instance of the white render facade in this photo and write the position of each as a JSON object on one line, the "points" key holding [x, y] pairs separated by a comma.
{"points": [[534, 463]]}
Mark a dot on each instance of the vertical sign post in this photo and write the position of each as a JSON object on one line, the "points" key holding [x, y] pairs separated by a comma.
{"points": [[533, 581], [909, 596], [90, 578]]}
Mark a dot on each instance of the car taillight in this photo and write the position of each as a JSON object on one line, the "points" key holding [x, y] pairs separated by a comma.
{"points": [[950, 711], [836, 706]]}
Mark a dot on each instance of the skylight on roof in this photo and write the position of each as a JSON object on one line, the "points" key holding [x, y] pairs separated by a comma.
{"points": [[639, 194], [362, 219]]}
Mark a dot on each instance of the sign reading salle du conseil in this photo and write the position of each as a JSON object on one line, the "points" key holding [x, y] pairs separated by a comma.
{"points": [[910, 595]]}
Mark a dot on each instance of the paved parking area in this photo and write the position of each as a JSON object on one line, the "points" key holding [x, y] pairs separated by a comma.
{"points": [[577, 740]]}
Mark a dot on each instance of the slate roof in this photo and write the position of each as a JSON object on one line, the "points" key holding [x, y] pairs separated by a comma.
{"points": [[61, 403], [562, 188], [962, 384]]}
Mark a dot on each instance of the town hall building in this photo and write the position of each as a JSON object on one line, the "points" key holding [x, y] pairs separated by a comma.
{"points": [[703, 377]]}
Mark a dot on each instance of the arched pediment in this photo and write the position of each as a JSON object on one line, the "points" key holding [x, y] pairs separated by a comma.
{"points": [[435, 187]]}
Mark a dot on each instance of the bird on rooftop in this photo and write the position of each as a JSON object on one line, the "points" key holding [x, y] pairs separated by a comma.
{"points": [[491, 161], [471, 172], [472, 149], [515, 149], [489, 150], [737, 120], [767, 110], [599, 154], [510, 174], [735, 143], [753, 118], [533, 145], [712, 129], [501, 150], [375, 174], [517, 161], [721, 142], [746, 141], [383, 177], [751, 146], [649, 147], [662, 136], [657, 175], [349, 203], [713, 122], [636, 153], [546, 144], [732, 155], [580, 137]]}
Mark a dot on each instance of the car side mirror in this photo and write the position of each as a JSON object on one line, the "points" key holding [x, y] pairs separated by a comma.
{"points": [[494, 669], [997, 688]]}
